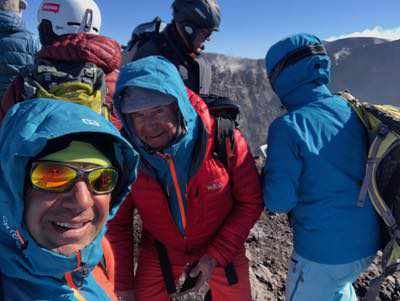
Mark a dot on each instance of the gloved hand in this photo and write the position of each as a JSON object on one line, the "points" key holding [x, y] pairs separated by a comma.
{"points": [[203, 271]]}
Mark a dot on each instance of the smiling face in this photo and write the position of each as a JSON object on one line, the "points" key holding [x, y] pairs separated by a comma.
{"points": [[157, 126], [66, 222]]}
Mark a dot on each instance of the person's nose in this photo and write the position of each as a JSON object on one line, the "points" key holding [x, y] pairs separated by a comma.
{"points": [[81, 197], [150, 123]]}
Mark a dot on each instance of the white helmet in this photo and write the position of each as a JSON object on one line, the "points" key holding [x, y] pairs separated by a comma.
{"points": [[71, 16]]}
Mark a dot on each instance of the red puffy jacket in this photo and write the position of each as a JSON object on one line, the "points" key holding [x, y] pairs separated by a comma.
{"points": [[222, 208], [81, 47]]}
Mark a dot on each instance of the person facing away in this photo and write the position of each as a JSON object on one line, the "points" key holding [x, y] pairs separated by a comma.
{"points": [[182, 41], [65, 171], [69, 31], [200, 211], [315, 164], [18, 46]]}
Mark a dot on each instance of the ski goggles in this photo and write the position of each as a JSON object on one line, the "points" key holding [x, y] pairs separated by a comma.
{"points": [[60, 177]]}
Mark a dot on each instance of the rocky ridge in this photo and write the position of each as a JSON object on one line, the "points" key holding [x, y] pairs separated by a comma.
{"points": [[368, 67]]}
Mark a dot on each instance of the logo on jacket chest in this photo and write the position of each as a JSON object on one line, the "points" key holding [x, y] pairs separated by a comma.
{"points": [[214, 186]]}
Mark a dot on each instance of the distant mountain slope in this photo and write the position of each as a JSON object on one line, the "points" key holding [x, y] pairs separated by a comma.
{"points": [[246, 81], [370, 72], [368, 67]]}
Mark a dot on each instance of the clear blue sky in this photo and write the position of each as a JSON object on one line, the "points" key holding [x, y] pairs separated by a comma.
{"points": [[249, 27]]}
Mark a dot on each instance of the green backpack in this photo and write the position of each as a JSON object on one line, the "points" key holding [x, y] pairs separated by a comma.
{"points": [[382, 178], [81, 82]]}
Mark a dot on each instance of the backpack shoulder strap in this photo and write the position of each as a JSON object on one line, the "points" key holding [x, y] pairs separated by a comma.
{"points": [[359, 109], [224, 141], [377, 132], [30, 84], [357, 106], [225, 112]]}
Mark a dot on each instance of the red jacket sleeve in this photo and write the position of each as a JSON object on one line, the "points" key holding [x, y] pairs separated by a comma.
{"points": [[12, 96], [120, 236], [246, 192], [111, 81]]}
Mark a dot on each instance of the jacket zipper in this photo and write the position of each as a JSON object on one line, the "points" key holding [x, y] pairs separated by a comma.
{"points": [[70, 280], [178, 190]]}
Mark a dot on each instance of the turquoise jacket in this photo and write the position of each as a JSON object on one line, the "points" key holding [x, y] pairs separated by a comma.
{"points": [[28, 271], [18, 48], [316, 159], [157, 73]]}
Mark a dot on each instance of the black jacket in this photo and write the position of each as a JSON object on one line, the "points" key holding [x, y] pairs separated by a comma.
{"points": [[196, 73]]}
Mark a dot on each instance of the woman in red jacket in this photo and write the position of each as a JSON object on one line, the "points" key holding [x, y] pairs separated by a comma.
{"points": [[196, 213]]}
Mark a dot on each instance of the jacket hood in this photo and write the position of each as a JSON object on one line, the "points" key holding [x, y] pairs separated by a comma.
{"points": [[308, 73], [96, 49], [157, 73], [24, 134], [11, 22]]}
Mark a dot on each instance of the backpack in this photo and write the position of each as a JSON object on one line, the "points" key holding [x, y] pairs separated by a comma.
{"points": [[226, 113], [140, 36], [82, 83], [382, 178]]}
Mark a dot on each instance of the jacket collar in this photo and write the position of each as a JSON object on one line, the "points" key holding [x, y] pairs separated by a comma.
{"points": [[304, 95]]}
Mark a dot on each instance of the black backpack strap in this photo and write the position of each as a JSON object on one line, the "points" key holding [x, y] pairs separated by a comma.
{"points": [[29, 87], [226, 113], [92, 75], [166, 268], [231, 275], [224, 139]]}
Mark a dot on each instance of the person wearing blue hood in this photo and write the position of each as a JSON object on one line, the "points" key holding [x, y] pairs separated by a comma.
{"points": [[64, 171], [196, 212], [315, 164], [17, 45]]}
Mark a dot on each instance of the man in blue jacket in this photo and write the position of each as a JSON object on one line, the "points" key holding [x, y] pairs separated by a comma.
{"points": [[64, 172], [18, 46], [316, 159]]}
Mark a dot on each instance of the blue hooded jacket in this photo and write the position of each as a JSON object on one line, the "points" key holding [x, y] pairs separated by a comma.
{"points": [[18, 48], [316, 158], [157, 73], [28, 271]]}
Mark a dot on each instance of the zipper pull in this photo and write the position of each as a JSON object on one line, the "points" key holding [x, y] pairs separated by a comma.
{"points": [[82, 273]]}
